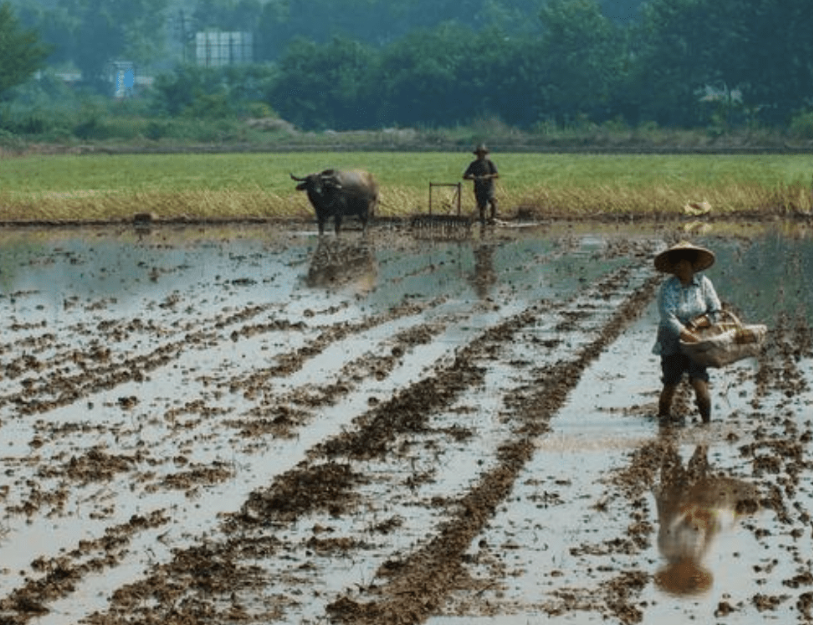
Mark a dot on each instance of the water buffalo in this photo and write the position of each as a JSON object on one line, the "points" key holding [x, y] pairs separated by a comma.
{"points": [[339, 193]]}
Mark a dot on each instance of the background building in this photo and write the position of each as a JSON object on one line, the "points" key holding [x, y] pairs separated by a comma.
{"points": [[215, 49]]}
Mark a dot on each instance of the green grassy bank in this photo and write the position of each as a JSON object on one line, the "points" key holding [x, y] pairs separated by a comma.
{"points": [[93, 187]]}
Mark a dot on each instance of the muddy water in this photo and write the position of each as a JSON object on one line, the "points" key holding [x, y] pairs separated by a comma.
{"points": [[243, 424]]}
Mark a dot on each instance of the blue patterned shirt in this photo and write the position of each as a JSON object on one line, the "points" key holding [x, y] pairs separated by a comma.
{"points": [[678, 304]]}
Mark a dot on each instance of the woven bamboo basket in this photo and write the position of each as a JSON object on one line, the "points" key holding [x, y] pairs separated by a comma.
{"points": [[726, 342]]}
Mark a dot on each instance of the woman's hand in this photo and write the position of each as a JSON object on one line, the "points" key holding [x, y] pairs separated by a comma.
{"points": [[687, 336], [689, 332], [702, 321]]}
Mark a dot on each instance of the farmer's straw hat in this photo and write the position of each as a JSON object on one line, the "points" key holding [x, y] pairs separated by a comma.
{"points": [[481, 149], [667, 259]]}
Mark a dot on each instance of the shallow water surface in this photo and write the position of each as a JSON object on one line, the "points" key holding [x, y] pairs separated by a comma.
{"points": [[254, 424]]}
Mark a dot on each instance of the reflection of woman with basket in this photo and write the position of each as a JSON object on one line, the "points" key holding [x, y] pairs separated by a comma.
{"points": [[693, 508], [687, 302]]}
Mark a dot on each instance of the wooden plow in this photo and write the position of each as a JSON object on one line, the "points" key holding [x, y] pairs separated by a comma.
{"points": [[449, 224]]}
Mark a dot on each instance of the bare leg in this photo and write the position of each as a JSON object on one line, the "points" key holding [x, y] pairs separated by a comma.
{"points": [[701, 391], [665, 401]]}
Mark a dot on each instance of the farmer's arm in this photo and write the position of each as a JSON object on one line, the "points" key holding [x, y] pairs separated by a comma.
{"points": [[713, 306], [668, 300]]}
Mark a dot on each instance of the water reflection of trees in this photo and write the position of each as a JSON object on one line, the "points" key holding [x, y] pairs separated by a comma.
{"points": [[693, 508], [337, 263]]}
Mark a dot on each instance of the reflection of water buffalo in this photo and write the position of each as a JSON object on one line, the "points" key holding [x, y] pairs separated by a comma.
{"points": [[336, 264], [337, 193]]}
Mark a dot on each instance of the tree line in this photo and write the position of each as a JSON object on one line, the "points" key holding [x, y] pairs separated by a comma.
{"points": [[683, 63], [355, 64]]}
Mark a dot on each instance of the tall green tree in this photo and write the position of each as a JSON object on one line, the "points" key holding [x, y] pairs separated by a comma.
{"points": [[21, 51], [453, 74], [772, 63], [227, 15], [432, 77], [582, 59], [686, 49], [107, 30], [204, 92], [757, 54], [381, 22], [328, 85], [511, 77]]}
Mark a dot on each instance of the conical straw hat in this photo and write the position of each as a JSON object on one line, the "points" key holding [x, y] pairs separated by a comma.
{"points": [[665, 261]]}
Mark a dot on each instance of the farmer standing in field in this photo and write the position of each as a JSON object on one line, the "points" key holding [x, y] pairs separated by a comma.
{"points": [[483, 171], [687, 301]]}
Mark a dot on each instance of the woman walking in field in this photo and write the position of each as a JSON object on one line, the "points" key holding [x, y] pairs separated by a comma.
{"points": [[687, 302]]}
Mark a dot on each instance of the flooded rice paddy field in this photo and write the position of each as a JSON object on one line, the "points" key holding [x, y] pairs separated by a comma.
{"points": [[250, 425]]}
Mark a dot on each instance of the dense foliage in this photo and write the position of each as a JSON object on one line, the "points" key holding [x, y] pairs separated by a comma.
{"points": [[382, 22], [21, 52], [530, 64], [685, 63]]}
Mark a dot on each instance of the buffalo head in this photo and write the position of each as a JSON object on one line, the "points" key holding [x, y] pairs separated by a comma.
{"points": [[339, 193], [319, 184]]}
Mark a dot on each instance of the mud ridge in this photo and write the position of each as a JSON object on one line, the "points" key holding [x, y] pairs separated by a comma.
{"points": [[417, 584], [408, 412]]}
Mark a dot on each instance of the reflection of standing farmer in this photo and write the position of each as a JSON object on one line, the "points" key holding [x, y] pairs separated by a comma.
{"points": [[483, 171], [484, 275], [687, 301]]}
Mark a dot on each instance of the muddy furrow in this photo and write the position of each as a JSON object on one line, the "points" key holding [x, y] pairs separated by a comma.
{"points": [[282, 413], [97, 465], [416, 584], [290, 362], [61, 574], [411, 409], [366, 369], [72, 374], [47, 351], [48, 384], [327, 483], [280, 416], [779, 447], [277, 422]]}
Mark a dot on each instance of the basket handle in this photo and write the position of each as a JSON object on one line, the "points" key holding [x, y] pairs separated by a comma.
{"points": [[734, 317]]}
